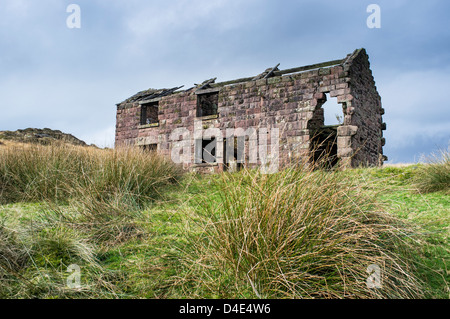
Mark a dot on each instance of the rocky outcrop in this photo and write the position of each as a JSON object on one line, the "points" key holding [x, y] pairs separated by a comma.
{"points": [[44, 136]]}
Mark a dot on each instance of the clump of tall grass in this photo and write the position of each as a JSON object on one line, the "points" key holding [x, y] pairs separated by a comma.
{"points": [[34, 257], [13, 256], [92, 200], [59, 173], [302, 234], [104, 222], [435, 175], [103, 189], [57, 244]]}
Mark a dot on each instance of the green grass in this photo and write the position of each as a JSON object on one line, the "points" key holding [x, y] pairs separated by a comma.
{"points": [[435, 176], [179, 243], [400, 192]]}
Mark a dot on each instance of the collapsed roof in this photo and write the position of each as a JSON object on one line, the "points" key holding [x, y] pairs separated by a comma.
{"points": [[151, 94], [270, 72]]}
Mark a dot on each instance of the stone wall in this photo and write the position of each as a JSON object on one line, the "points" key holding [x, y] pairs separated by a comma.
{"points": [[127, 123], [290, 102], [366, 114]]}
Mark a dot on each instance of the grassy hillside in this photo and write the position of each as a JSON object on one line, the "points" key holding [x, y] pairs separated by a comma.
{"points": [[140, 228]]}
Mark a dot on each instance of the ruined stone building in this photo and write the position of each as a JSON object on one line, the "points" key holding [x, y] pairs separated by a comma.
{"points": [[291, 101]]}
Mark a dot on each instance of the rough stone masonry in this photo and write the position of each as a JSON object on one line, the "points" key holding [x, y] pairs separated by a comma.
{"points": [[291, 100]]}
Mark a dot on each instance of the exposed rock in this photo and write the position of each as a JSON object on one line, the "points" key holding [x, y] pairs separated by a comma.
{"points": [[44, 136]]}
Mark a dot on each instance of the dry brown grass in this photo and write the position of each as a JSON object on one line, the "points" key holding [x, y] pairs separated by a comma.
{"points": [[13, 144], [62, 172]]}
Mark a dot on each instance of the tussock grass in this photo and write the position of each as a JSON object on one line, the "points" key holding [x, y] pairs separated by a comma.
{"points": [[435, 176], [302, 234], [34, 255], [13, 256], [59, 173], [135, 232], [91, 202]]}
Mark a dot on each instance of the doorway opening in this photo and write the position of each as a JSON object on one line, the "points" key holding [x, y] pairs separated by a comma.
{"points": [[327, 117], [233, 160], [205, 151]]}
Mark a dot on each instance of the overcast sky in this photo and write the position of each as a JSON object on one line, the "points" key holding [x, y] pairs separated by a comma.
{"points": [[70, 79]]}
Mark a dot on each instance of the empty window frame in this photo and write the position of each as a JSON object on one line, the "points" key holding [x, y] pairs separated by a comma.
{"points": [[234, 159], [149, 147], [207, 104], [332, 111], [205, 151], [149, 113]]}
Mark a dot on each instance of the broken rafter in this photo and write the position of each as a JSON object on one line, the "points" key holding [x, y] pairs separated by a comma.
{"points": [[271, 71], [145, 98], [206, 83], [283, 72], [170, 91], [267, 73], [309, 67], [156, 96]]}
